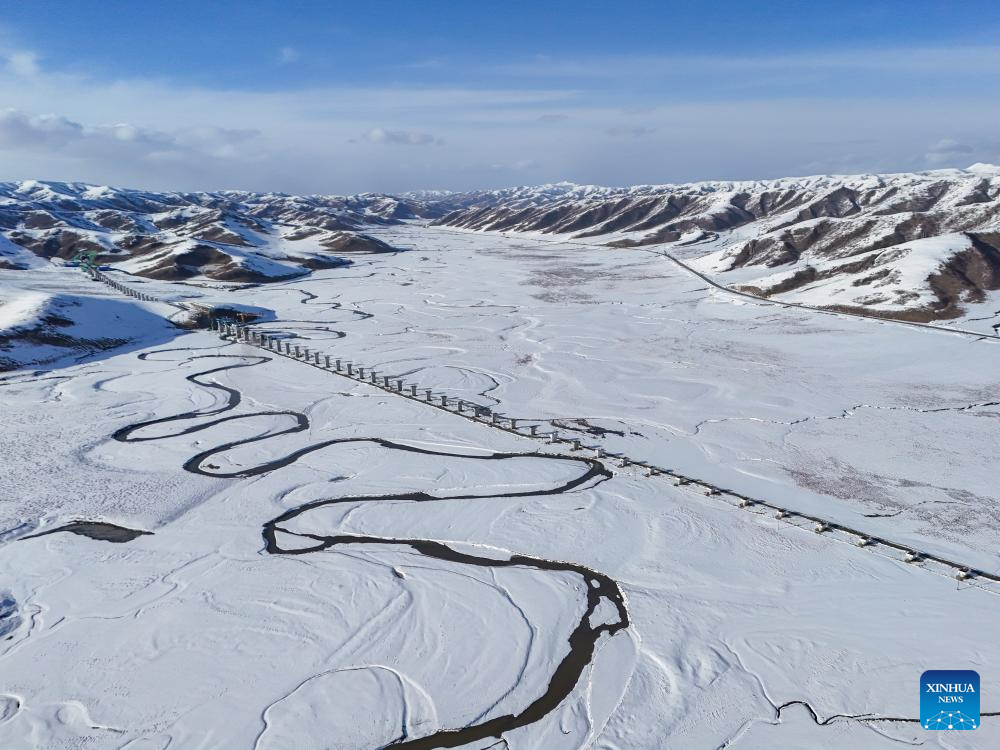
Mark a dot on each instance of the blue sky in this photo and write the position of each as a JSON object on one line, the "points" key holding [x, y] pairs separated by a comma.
{"points": [[389, 96]]}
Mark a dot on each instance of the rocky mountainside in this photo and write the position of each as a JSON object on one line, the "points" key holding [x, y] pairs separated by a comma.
{"points": [[230, 236], [917, 246]]}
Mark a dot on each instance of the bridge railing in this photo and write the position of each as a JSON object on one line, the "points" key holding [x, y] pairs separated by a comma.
{"points": [[125, 289], [281, 344]]}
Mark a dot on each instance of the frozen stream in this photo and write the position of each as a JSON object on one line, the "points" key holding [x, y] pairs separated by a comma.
{"points": [[279, 532], [340, 567]]}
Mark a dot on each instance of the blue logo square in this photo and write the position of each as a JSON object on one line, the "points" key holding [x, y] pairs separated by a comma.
{"points": [[949, 699]]}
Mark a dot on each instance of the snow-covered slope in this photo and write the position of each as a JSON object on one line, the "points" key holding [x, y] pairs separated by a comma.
{"points": [[38, 328], [233, 236], [919, 246]]}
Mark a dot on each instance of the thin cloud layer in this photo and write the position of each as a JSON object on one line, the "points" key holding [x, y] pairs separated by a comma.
{"points": [[288, 55], [948, 149], [337, 139], [634, 131], [403, 137], [22, 63], [56, 133]]}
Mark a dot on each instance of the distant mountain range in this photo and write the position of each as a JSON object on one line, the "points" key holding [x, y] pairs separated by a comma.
{"points": [[228, 236], [918, 246], [913, 246]]}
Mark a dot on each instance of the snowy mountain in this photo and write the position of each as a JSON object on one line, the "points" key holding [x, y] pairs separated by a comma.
{"points": [[38, 328], [922, 246], [916, 246], [231, 236]]}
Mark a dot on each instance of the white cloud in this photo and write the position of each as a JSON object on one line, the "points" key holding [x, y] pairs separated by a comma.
{"points": [[161, 134], [20, 130], [404, 137], [49, 132], [287, 55], [430, 63], [636, 131], [969, 59], [947, 151], [22, 63], [521, 165]]}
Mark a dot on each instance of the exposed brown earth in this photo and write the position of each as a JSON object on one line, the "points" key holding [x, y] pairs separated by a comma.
{"points": [[206, 260], [184, 235], [844, 236], [813, 227]]}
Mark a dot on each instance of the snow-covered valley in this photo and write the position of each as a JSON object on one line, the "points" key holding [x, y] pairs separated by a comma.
{"points": [[912, 246], [333, 565]]}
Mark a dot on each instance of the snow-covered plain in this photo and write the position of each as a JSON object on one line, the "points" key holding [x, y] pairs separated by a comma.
{"points": [[740, 630], [910, 246]]}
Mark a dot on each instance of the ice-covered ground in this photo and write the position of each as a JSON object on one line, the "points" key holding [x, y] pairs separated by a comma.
{"points": [[423, 573], [850, 418]]}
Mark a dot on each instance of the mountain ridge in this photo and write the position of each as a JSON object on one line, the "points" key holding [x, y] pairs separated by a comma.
{"points": [[918, 246], [237, 236]]}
